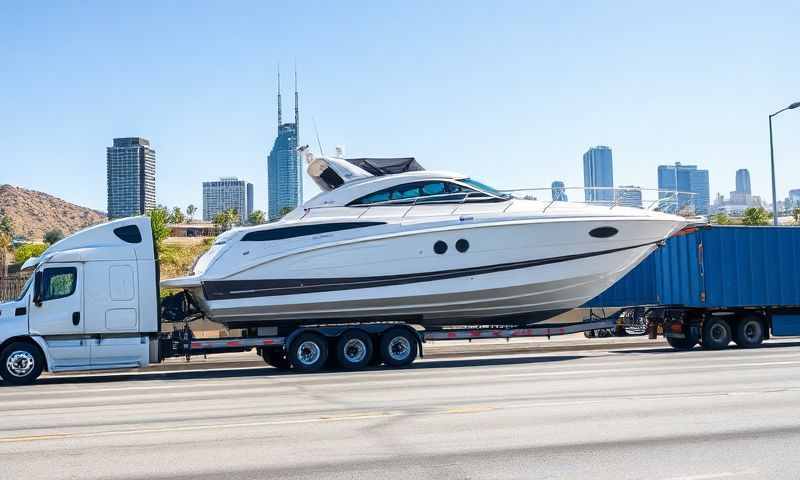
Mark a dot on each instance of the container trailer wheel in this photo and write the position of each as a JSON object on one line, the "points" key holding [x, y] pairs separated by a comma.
{"points": [[716, 334], [398, 347], [682, 343], [20, 363], [276, 358], [354, 349], [749, 332], [308, 352]]}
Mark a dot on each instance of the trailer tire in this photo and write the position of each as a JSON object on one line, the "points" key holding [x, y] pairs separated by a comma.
{"points": [[398, 347], [749, 332], [21, 363], [275, 358], [308, 352], [354, 349], [682, 343], [717, 334]]}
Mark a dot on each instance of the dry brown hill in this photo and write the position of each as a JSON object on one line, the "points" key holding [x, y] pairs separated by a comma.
{"points": [[34, 213]]}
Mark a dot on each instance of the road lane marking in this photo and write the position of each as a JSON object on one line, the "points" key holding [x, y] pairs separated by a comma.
{"points": [[712, 476]]}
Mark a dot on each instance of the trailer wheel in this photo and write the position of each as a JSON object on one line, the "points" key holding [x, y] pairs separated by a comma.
{"points": [[682, 343], [398, 347], [275, 358], [749, 333], [309, 352], [354, 349], [716, 334], [20, 363]]}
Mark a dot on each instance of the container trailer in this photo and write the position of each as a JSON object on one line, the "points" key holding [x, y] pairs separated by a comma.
{"points": [[716, 285]]}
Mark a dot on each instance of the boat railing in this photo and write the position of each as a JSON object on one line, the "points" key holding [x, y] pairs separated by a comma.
{"points": [[668, 201]]}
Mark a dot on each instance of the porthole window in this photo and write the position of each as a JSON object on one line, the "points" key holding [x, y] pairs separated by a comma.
{"points": [[440, 247], [462, 245], [603, 232]]}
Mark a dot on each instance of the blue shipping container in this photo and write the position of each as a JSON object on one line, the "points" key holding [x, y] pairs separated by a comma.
{"points": [[715, 267]]}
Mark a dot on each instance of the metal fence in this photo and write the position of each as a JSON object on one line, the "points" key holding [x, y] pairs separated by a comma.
{"points": [[11, 287]]}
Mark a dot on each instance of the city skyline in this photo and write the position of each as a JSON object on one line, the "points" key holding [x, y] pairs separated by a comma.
{"points": [[200, 97]]}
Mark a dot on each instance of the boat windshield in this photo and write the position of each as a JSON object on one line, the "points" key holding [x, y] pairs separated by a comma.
{"points": [[484, 188]]}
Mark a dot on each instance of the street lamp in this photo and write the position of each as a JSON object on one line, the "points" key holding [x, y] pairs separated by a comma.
{"points": [[772, 162]]}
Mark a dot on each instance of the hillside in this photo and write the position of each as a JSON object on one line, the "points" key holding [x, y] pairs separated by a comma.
{"points": [[34, 213]]}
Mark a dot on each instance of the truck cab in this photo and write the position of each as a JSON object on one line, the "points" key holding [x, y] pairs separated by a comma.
{"points": [[91, 303]]}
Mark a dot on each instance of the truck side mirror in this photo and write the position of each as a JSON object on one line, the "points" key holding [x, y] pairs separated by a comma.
{"points": [[37, 288]]}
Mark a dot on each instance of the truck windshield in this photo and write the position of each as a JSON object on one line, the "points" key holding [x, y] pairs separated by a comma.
{"points": [[25, 288]]}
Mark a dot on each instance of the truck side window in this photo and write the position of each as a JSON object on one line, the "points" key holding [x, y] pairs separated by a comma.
{"points": [[58, 282]]}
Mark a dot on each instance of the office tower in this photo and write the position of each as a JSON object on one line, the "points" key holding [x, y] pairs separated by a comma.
{"points": [[628, 196], [743, 181], [225, 194], [131, 177], [284, 167], [692, 187], [558, 191], [598, 175]]}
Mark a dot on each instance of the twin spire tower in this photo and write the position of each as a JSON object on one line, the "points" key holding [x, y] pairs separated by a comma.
{"points": [[284, 168]]}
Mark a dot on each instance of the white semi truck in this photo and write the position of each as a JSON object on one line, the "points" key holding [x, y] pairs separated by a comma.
{"points": [[92, 303]]}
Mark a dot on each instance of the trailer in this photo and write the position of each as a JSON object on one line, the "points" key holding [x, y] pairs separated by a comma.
{"points": [[93, 303], [716, 285]]}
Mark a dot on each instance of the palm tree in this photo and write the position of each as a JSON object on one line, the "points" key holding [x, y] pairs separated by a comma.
{"points": [[257, 217], [191, 210], [756, 216], [5, 247]]}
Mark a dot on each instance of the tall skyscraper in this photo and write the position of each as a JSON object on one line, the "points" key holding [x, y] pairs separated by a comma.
{"points": [[628, 196], [690, 180], [225, 194], [743, 181], [130, 177], [598, 171], [284, 167], [558, 191]]}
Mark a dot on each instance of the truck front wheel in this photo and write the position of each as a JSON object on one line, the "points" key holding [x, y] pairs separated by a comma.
{"points": [[716, 334], [20, 363]]}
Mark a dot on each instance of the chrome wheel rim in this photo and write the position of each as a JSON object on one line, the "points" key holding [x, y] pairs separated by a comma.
{"points": [[399, 348], [20, 363], [355, 350], [308, 353]]}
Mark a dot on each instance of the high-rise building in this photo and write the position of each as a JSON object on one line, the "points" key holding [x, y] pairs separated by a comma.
{"points": [[225, 194], [598, 175], [692, 187], [628, 196], [130, 177], [558, 191], [284, 168], [743, 181]]}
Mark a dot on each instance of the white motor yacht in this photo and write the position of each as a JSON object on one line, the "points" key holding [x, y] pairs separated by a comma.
{"points": [[389, 241]]}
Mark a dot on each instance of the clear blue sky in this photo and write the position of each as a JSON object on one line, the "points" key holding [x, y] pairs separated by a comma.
{"points": [[511, 93]]}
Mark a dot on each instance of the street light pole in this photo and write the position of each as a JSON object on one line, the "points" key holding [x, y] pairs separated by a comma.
{"points": [[772, 162]]}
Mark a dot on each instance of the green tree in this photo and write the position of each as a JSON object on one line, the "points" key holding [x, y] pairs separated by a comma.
{"points": [[756, 216], [7, 226], [796, 215], [257, 217], [190, 211], [177, 216], [6, 246], [24, 252], [158, 223], [52, 236], [720, 218], [284, 211]]}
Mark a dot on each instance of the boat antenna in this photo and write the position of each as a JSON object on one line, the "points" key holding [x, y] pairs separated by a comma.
{"points": [[314, 121], [279, 96]]}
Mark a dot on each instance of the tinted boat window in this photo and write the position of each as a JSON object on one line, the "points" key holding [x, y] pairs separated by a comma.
{"points": [[409, 192], [303, 230]]}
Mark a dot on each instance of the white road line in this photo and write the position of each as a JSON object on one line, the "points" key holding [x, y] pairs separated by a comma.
{"points": [[712, 476]]}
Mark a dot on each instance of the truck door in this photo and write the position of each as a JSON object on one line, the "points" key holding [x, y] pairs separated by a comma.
{"points": [[56, 313]]}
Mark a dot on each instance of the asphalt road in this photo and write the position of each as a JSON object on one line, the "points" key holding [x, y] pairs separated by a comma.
{"points": [[616, 414]]}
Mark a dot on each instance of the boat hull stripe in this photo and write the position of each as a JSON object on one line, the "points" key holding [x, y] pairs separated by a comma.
{"points": [[233, 289]]}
